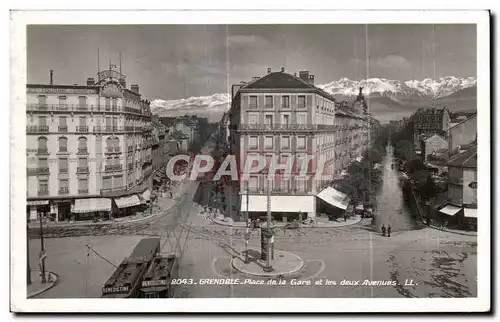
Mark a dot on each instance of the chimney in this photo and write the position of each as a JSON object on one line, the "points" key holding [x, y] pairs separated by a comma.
{"points": [[90, 81], [134, 88], [304, 75], [282, 69], [123, 83], [51, 77], [311, 79], [269, 70]]}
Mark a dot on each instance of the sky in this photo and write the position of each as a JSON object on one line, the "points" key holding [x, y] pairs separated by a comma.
{"points": [[180, 61]]}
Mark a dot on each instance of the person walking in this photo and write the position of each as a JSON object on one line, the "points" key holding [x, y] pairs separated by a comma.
{"points": [[383, 230], [388, 230]]}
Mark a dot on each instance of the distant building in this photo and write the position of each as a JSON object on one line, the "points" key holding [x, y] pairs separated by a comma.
{"points": [[194, 128], [462, 133], [429, 121], [159, 144]]}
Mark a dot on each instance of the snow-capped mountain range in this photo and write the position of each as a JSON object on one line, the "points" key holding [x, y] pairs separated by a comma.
{"points": [[398, 91]]}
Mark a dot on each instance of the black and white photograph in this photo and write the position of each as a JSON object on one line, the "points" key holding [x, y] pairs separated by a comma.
{"points": [[206, 159]]}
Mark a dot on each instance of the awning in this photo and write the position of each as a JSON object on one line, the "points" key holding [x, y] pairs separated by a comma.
{"points": [[37, 202], [126, 202], [470, 212], [258, 203], [91, 205], [146, 195], [334, 198], [450, 210], [360, 207]]}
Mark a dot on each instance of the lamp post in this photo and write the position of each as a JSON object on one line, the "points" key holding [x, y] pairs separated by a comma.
{"points": [[42, 252], [28, 267], [269, 234]]}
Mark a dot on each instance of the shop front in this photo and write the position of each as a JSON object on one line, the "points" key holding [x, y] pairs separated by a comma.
{"points": [[333, 203], [87, 209], [37, 208], [127, 206]]}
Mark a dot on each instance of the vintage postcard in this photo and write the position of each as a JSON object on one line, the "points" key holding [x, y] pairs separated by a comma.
{"points": [[173, 161]]}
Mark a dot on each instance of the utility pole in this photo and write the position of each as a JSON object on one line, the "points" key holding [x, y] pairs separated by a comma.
{"points": [[268, 234], [28, 267], [42, 252]]}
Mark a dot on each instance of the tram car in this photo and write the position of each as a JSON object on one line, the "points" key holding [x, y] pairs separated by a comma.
{"points": [[157, 282]]}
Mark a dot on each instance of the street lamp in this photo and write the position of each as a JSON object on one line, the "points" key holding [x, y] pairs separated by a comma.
{"points": [[269, 235], [42, 252]]}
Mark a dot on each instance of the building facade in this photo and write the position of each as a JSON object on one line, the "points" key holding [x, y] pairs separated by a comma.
{"points": [[432, 145], [86, 146], [286, 116], [429, 121], [462, 133]]}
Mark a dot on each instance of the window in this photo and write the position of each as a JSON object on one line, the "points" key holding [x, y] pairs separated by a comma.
{"points": [[301, 118], [115, 103], [108, 122], [268, 101], [42, 100], [286, 119], [63, 144], [62, 102], [82, 162], [118, 181], [253, 142], [285, 142], [253, 118], [301, 142], [253, 101], [43, 163], [63, 165], [106, 182], [42, 145], [82, 145], [302, 101], [107, 103], [253, 183], [63, 127], [83, 185], [63, 186], [300, 184], [42, 121], [115, 121], [43, 186], [286, 101], [82, 102], [268, 119], [268, 142]]}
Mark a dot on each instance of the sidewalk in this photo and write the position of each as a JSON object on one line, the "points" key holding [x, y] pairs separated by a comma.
{"points": [[330, 224], [36, 287]]}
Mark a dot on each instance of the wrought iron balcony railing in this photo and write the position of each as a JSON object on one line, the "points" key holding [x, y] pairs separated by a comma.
{"points": [[83, 190], [82, 169], [63, 170], [63, 190], [37, 129], [62, 128], [84, 108], [43, 192], [113, 167], [38, 171], [82, 129], [82, 151], [42, 151], [285, 127]]}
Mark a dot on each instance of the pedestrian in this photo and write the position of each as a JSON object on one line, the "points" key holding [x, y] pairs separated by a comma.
{"points": [[383, 230], [388, 230], [345, 217]]}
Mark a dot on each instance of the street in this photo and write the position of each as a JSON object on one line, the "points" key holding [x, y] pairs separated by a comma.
{"points": [[439, 264]]}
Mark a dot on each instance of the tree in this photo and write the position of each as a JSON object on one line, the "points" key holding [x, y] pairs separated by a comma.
{"points": [[403, 148]]}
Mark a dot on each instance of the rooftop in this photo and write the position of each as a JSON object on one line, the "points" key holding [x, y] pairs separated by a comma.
{"points": [[467, 159]]}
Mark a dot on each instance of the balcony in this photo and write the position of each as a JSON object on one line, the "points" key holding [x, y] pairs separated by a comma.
{"points": [[62, 128], [33, 129], [285, 127], [42, 151], [82, 151], [113, 167], [113, 149], [63, 191], [38, 171], [63, 170], [83, 190], [82, 129], [82, 169], [43, 192], [83, 108]]}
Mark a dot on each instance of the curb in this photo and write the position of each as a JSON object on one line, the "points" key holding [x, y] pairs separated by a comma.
{"points": [[46, 288], [282, 226], [271, 274], [452, 231]]}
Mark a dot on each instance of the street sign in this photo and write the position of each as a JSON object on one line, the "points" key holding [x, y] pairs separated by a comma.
{"points": [[473, 185], [42, 255]]}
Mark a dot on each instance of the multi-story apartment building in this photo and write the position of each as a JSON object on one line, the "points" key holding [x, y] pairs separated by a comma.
{"points": [[87, 145], [287, 116], [462, 185], [428, 121], [462, 133]]}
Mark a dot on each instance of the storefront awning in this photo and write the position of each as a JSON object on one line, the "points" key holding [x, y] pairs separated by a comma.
{"points": [[470, 213], [146, 195], [450, 210], [258, 203], [91, 205], [128, 201], [360, 207], [334, 198]]}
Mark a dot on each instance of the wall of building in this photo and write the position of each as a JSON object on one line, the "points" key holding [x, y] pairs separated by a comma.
{"points": [[469, 193], [462, 133], [434, 144]]}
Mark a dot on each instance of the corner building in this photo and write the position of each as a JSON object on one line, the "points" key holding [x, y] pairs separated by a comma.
{"points": [[88, 148], [286, 115]]}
